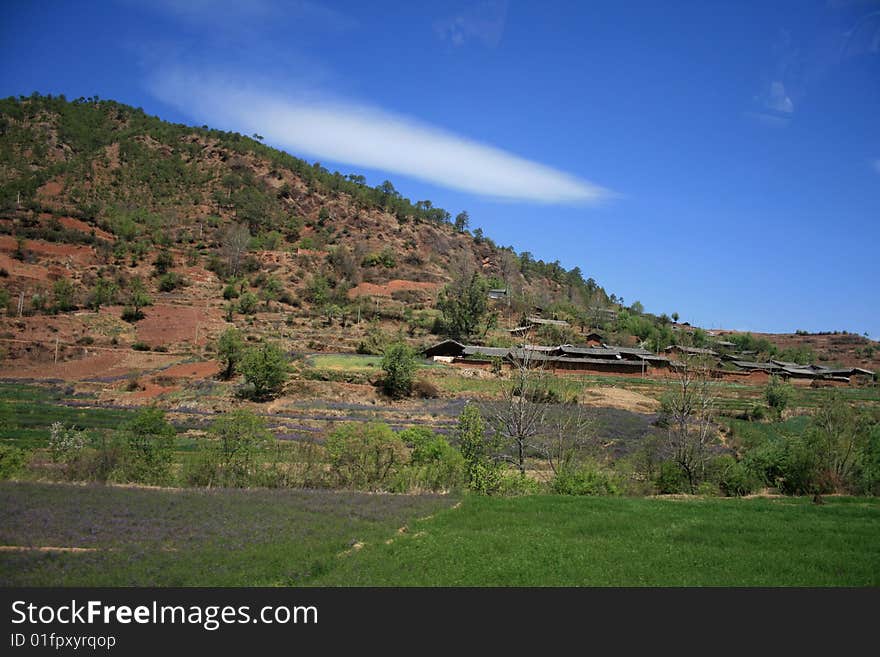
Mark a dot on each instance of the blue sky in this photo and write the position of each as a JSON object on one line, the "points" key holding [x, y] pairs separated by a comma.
{"points": [[718, 159]]}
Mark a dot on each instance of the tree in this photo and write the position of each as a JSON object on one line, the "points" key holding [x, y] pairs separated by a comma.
{"points": [[247, 303], [265, 367], [482, 473], [230, 347], [675, 317], [241, 435], [234, 245], [689, 409], [462, 221], [163, 262], [567, 430], [149, 441], [63, 292], [399, 365], [464, 305], [102, 293], [518, 419], [838, 436], [137, 298], [778, 394]]}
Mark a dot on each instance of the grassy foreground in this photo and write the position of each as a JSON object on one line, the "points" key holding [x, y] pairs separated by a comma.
{"points": [[138, 537], [565, 541]]}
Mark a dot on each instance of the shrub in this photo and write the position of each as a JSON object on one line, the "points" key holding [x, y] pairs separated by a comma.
{"points": [[399, 365], [149, 445], [163, 262], [515, 484], [102, 293], [230, 291], [584, 479], [65, 443], [670, 479], [170, 281], [140, 346], [366, 455], [434, 463], [482, 474], [756, 413], [733, 477], [137, 298], [241, 436], [778, 394], [12, 461], [707, 489], [247, 303], [63, 293]]}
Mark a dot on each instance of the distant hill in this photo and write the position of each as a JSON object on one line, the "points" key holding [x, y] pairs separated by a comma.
{"points": [[91, 191]]}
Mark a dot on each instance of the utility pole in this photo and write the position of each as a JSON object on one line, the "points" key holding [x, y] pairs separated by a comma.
{"points": [[56, 350], [20, 303]]}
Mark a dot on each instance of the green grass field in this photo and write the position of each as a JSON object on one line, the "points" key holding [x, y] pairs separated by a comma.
{"points": [[558, 541], [297, 538], [345, 362]]}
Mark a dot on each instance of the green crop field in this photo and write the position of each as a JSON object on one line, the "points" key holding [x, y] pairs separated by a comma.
{"points": [[558, 541], [222, 537]]}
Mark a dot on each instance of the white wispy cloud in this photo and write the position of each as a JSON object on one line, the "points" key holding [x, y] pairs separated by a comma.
{"points": [[366, 136], [249, 18], [773, 106], [483, 21]]}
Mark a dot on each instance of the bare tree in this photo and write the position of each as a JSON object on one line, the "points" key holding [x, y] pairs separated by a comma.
{"points": [[690, 410], [518, 419], [235, 244], [568, 430]]}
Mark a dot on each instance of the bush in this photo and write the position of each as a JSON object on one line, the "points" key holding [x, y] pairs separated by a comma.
{"points": [[670, 479], [778, 395], [163, 262], [65, 443], [708, 489], [230, 291], [241, 436], [756, 413], [12, 461], [399, 365], [140, 346], [515, 484], [367, 455], [425, 390], [170, 281], [149, 447], [733, 477], [63, 293], [585, 479], [247, 303], [434, 463]]}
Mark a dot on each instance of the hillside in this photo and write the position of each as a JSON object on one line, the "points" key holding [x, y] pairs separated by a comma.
{"points": [[91, 189], [99, 202]]}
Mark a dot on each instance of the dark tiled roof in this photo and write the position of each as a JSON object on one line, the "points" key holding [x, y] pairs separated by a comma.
{"points": [[474, 350]]}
